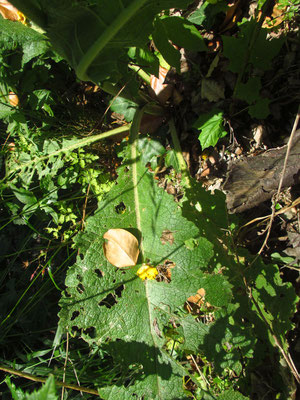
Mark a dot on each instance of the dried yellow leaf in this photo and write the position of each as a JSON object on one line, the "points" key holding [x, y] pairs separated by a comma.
{"points": [[13, 99], [121, 248]]}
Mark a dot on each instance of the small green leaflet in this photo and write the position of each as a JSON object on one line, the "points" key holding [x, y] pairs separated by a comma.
{"points": [[211, 127]]}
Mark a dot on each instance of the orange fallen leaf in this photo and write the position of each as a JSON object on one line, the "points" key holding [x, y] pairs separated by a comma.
{"points": [[198, 297], [13, 99], [162, 91], [121, 248], [8, 11]]}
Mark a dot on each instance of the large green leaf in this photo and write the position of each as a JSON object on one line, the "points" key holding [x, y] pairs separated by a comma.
{"points": [[115, 306], [95, 36]]}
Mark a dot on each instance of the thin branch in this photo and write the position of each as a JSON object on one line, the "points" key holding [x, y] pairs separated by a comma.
{"points": [[43, 380], [288, 150]]}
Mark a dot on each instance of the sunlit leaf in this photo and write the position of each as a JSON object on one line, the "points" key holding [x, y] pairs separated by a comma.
{"points": [[121, 248]]}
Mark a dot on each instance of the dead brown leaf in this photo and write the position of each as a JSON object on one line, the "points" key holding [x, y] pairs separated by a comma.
{"points": [[8, 11], [121, 248]]}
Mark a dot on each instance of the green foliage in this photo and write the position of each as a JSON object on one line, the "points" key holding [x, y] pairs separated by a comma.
{"points": [[116, 28], [104, 302], [211, 127], [51, 169], [148, 329], [206, 14], [249, 52], [125, 107], [46, 392], [118, 304], [32, 43]]}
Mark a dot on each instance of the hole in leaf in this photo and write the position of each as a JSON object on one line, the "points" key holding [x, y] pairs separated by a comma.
{"points": [[196, 305], [80, 288], [114, 281], [74, 315], [108, 301], [120, 208], [99, 273], [79, 277], [119, 290], [75, 328], [165, 271], [91, 332]]}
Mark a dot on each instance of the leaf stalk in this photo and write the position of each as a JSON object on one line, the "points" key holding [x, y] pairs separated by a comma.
{"points": [[104, 39]]}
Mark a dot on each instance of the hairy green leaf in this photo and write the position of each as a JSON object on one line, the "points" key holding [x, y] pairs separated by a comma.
{"points": [[232, 395], [104, 302], [14, 34]]}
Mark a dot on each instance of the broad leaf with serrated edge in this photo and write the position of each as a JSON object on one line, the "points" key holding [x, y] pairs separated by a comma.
{"points": [[104, 302], [211, 127]]}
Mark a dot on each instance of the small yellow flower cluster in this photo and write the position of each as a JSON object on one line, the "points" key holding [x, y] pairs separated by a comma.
{"points": [[147, 272]]}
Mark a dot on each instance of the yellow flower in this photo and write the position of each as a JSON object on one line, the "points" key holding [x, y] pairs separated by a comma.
{"points": [[147, 272]]}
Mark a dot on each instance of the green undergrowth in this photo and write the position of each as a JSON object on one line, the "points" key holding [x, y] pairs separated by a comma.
{"points": [[216, 318]]}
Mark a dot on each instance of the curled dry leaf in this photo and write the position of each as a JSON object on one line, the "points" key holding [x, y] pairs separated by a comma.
{"points": [[121, 248], [8, 11], [13, 99]]}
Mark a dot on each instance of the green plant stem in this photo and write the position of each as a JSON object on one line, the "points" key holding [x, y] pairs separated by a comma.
{"points": [[80, 143], [134, 131], [43, 380], [181, 162], [143, 75], [104, 39]]}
